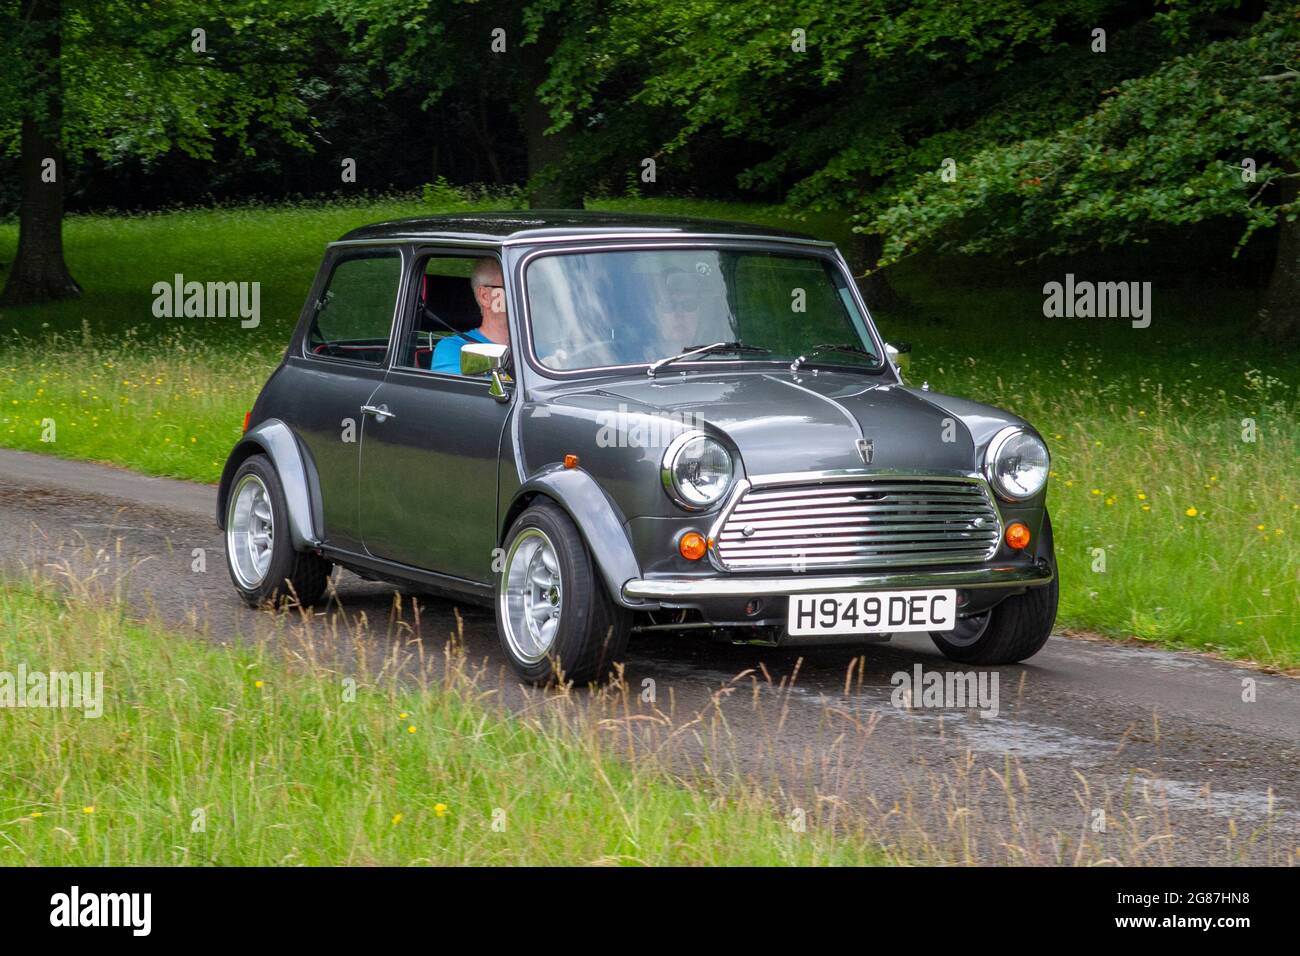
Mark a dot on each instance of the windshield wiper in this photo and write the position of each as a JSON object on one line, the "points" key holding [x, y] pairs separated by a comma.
{"points": [[846, 347], [739, 347]]}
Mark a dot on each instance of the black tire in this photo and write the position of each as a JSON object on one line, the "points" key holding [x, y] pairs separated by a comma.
{"points": [[592, 632], [300, 576], [1018, 627]]}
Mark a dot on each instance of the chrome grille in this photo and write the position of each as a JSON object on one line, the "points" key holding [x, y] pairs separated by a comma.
{"points": [[859, 523]]}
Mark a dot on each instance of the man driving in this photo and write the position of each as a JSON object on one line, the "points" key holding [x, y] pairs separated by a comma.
{"points": [[489, 291]]}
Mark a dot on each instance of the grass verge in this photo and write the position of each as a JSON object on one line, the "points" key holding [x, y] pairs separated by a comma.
{"points": [[238, 756]]}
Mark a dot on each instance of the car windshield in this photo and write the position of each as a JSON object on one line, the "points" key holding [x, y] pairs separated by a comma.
{"points": [[600, 309]]}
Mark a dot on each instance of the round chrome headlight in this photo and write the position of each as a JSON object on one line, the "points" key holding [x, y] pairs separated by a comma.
{"points": [[697, 470], [1017, 464]]}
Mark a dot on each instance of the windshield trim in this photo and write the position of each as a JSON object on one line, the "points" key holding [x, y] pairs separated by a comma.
{"points": [[826, 252]]}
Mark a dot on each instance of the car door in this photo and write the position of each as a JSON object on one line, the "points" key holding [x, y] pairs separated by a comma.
{"points": [[429, 460], [342, 360]]}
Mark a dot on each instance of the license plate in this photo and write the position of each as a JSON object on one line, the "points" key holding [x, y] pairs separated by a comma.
{"points": [[873, 612]]}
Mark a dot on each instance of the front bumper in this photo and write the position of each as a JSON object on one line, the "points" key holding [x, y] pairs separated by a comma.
{"points": [[681, 591]]}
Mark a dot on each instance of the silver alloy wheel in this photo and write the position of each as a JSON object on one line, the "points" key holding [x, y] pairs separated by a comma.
{"points": [[531, 596], [968, 629], [250, 531]]}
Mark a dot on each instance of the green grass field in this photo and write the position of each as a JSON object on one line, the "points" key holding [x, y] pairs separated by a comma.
{"points": [[233, 757], [1197, 528]]}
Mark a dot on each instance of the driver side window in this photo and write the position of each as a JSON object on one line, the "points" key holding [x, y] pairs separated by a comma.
{"points": [[446, 308]]}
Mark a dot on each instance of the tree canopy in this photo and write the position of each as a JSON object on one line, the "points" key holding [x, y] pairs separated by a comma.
{"points": [[1034, 126], [115, 78], [1040, 127]]}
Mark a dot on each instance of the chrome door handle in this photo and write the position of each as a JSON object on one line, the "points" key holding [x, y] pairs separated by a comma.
{"points": [[380, 412]]}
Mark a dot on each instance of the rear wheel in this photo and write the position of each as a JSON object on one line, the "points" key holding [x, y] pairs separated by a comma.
{"points": [[554, 616], [1011, 631], [260, 555]]}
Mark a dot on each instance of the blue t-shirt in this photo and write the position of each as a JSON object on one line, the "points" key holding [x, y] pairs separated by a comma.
{"points": [[446, 355]]}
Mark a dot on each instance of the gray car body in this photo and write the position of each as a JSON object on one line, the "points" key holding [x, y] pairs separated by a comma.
{"points": [[427, 497]]}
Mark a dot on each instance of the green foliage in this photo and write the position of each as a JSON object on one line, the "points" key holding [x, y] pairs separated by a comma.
{"points": [[1164, 149], [1056, 145], [442, 196], [494, 58], [847, 108], [133, 83], [847, 104]]}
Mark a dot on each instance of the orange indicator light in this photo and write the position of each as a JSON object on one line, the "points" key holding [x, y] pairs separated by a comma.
{"points": [[692, 546], [1017, 535]]}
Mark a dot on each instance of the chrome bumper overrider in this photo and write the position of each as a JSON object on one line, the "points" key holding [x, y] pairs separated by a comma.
{"points": [[685, 590]]}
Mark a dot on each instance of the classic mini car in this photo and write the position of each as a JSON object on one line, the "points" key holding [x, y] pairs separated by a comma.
{"points": [[602, 424]]}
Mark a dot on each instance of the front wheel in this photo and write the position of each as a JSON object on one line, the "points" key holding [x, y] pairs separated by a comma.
{"points": [[1011, 631], [555, 618], [260, 555]]}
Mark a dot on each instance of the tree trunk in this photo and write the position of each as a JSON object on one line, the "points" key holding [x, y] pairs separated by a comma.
{"points": [[548, 186], [862, 252], [483, 132], [39, 273], [1279, 319]]}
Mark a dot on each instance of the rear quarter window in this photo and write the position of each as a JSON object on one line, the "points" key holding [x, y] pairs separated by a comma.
{"points": [[355, 311]]}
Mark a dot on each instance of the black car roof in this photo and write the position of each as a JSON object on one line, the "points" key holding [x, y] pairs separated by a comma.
{"points": [[552, 223]]}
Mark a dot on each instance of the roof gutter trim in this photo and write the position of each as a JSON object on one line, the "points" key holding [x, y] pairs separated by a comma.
{"points": [[525, 239]]}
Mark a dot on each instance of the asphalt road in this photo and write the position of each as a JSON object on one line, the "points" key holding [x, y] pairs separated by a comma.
{"points": [[1098, 752]]}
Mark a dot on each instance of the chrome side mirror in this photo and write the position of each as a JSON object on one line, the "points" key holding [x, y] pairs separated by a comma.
{"points": [[479, 358], [488, 358], [900, 356]]}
